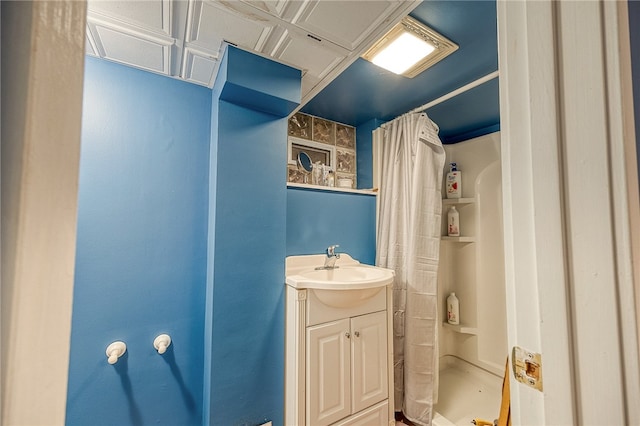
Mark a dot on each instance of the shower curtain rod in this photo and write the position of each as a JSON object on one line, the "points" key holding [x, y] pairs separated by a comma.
{"points": [[456, 92], [451, 94]]}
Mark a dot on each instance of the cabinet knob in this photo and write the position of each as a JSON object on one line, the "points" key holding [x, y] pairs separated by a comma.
{"points": [[347, 334], [357, 333]]}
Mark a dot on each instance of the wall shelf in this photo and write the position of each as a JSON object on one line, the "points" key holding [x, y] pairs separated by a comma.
{"points": [[450, 201], [332, 188], [461, 328], [458, 239]]}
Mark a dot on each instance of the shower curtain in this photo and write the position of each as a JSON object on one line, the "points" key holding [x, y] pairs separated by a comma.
{"points": [[408, 241]]}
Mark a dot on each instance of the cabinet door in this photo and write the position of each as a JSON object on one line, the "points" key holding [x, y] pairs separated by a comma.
{"points": [[369, 345], [328, 372], [378, 415]]}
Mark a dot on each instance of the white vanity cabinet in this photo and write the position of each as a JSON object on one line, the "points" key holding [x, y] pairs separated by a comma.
{"points": [[338, 360], [347, 367]]}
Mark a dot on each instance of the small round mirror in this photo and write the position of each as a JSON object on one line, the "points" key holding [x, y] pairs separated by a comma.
{"points": [[304, 161]]}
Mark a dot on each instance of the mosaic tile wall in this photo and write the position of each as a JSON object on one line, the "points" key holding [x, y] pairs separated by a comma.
{"points": [[334, 134]]}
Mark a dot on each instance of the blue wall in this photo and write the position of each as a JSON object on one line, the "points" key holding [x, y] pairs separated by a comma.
{"points": [[141, 249], [245, 282], [169, 172], [364, 147], [317, 219]]}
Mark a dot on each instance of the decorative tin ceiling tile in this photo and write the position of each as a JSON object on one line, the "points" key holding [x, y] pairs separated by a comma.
{"points": [[183, 38], [345, 23], [151, 54], [212, 23], [199, 67], [153, 15]]}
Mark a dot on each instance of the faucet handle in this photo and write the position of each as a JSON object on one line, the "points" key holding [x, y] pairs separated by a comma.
{"points": [[331, 251]]}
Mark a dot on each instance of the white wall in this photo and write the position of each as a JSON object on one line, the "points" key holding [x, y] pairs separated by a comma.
{"points": [[475, 271], [42, 74]]}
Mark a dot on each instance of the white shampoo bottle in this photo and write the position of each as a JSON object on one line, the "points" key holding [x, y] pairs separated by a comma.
{"points": [[454, 182], [453, 222], [453, 309]]}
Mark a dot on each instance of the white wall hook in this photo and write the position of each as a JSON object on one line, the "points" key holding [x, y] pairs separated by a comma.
{"points": [[115, 351], [161, 343]]}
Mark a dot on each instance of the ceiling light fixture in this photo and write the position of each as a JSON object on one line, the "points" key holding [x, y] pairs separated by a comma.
{"points": [[410, 48]]}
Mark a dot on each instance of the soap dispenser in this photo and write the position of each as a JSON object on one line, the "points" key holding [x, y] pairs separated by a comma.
{"points": [[454, 182]]}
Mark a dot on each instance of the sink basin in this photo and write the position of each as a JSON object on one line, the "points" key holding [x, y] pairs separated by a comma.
{"points": [[351, 284], [349, 277]]}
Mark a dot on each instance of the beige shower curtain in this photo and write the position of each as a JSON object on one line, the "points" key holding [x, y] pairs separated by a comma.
{"points": [[408, 241]]}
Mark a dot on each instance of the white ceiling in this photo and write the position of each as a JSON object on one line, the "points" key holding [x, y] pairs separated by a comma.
{"points": [[184, 38]]}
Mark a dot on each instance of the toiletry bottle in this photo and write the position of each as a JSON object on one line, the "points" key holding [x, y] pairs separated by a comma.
{"points": [[453, 309], [325, 175], [454, 182], [331, 180], [316, 174], [453, 222]]}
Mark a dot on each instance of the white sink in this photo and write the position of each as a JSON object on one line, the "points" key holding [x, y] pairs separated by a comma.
{"points": [[350, 284], [350, 277]]}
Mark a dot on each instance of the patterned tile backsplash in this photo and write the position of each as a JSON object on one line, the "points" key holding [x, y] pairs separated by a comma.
{"points": [[335, 135]]}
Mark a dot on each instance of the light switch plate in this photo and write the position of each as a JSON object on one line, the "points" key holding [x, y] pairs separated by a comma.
{"points": [[527, 367]]}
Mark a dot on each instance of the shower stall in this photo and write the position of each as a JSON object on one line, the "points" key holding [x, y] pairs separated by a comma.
{"points": [[472, 355]]}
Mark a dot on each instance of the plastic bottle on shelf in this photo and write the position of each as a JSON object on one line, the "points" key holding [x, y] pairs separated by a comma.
{"points": [[454, 182], [325, 175], [453, 222], [453, 309], [331, 180], [316, 173]]}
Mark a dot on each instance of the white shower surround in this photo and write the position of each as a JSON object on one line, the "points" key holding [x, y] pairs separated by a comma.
{"points": [[476, 271]]}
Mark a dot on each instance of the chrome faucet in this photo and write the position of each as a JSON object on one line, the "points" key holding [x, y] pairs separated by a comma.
{"points": [[332, 256]]}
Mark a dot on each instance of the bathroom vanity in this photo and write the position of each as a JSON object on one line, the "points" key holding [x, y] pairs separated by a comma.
{"points": [[339, 347]]}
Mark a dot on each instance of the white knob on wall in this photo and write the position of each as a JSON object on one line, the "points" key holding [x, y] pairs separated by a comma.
{"points": [[161, 343], [114, 351]]}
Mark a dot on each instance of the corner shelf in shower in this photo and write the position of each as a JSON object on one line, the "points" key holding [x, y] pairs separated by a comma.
{"points": [[458, 202], [467, 213], [461, 328], [449, 201], [458, 239]]}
